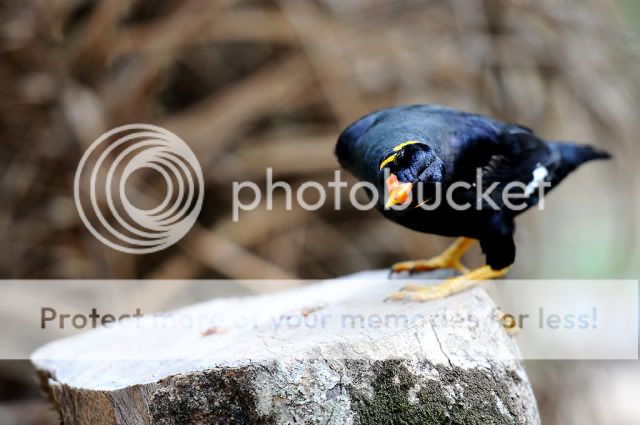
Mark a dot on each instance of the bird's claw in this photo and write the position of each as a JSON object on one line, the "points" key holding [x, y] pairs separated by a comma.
{"points": [[413, 288], [411, 267], [448, 287], [449, 259], [418, 294]]}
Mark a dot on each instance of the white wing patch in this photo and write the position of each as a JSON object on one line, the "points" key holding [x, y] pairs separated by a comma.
{"points": [[539, 174]]}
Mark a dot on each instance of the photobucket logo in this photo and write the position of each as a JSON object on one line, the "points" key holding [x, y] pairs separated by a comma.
{"points": [[108, 165], [458, 195]]}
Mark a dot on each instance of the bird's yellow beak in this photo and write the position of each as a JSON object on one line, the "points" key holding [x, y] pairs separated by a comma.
{"points": [[398, 192]]}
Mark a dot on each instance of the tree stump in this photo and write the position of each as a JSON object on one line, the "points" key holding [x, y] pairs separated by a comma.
{"points": [[329, 353]]}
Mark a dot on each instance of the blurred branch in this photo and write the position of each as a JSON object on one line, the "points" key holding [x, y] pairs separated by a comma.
{"points": [[239, 25], [283, 156], [213, 122], [324, 42], [229, 258]]}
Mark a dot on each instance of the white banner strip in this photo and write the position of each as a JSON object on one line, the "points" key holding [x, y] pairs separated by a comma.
{"points": [[163, 320]]}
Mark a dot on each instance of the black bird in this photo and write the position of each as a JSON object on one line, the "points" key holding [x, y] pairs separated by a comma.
{"points": [[410, 154]]}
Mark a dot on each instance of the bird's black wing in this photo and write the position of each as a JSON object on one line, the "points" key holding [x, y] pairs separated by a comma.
{"points": [[519, 165]]}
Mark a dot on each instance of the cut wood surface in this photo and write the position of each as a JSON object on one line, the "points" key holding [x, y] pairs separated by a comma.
{"points": [[333, 352]]}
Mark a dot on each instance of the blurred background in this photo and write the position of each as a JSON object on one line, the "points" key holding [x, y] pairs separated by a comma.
{"points": [[256, 84]]}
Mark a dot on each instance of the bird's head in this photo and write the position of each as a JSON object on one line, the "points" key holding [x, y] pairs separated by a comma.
{"points": [[408, 164]]}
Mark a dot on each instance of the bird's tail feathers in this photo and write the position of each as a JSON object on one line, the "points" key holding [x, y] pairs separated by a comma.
{"points": [[573, 155]]}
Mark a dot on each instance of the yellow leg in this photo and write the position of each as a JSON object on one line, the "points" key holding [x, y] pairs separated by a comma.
{"points": [[449, 286], [449, 259]]}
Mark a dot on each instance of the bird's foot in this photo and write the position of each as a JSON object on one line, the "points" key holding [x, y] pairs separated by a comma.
{"points": [[449, 286], [439, 262], [449, 259]]}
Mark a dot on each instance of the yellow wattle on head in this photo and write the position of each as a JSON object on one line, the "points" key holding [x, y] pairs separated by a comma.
{"points": [[397, 148]]}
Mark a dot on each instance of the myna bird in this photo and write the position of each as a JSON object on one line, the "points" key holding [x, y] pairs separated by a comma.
{"points": [[409, 153]]}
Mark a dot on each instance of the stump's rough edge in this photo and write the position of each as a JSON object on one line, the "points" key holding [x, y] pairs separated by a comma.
{"points": [[317, 391]]}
